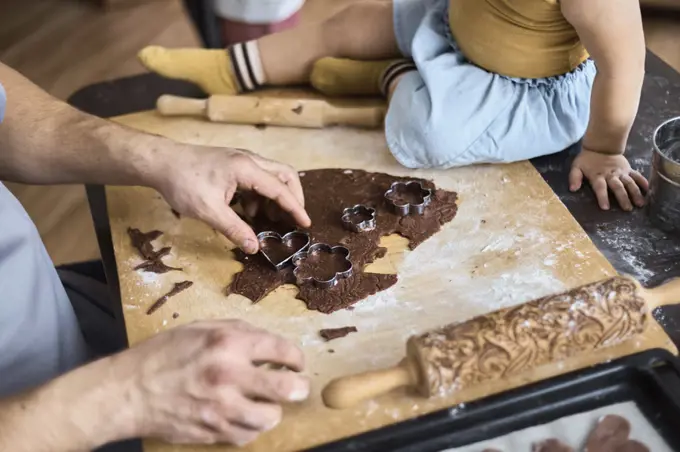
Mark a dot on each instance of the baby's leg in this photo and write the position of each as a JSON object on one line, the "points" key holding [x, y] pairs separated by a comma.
{"points": [[352, 74], [361, 31]]}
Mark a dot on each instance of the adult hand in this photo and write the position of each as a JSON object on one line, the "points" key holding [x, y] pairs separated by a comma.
{"points": [[201, 181], [201, 383], [609, 172]]}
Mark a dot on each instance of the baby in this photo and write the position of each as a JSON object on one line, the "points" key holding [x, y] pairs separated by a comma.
{"points": [[468, 81]]}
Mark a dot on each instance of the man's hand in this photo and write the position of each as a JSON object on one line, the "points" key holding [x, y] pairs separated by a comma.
{"points": [[197, 383], [608, 172], [200, 182], [201, 383], [44, 141]]}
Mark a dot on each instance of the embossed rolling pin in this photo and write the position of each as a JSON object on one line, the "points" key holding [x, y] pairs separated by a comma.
{"points": [[512, 340], [306, 113]]}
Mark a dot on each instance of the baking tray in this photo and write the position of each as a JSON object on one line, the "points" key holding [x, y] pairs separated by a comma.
{"points": [[651, 380]]}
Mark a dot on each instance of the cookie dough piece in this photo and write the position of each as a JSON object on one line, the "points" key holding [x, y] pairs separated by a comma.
{"points": [[610, 432], [335, 333], [632, 446]]}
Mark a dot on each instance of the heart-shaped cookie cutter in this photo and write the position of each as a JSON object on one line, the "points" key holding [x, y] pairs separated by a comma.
{"points": [[322, 247], [362, 226], [408, 208], [287, 238]]}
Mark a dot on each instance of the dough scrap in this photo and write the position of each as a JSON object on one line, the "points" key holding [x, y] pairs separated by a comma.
{"points": [[153, 259], [335, 333], [177, 288]]}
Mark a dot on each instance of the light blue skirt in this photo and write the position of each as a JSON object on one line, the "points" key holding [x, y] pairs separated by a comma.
{"points": [[453, 113]]}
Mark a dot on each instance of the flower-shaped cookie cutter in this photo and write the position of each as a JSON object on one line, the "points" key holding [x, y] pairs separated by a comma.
{"points": [[359, 218], [408, 198], [345, 271], [290, 244]]}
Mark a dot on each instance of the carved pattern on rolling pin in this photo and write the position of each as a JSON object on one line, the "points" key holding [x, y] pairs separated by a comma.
{"points": [[546, 330]]}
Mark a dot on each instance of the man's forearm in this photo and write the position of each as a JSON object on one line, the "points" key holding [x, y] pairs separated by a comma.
{"points": [[76, 412], [45, 141], [614, 103]]}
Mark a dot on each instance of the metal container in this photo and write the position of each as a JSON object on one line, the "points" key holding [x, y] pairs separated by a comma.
{"points": [[663, 199]]}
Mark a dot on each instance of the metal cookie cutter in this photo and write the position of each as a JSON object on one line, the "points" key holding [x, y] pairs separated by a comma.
{"points": [[325, 283], [288, 246], [663, 197], [359, 218], [408, 198]]}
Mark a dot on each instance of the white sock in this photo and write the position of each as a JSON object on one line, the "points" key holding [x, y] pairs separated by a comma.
{"points": [[247, 66]]}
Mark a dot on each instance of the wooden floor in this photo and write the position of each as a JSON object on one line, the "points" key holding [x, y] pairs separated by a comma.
{"points": [[67, 44]]}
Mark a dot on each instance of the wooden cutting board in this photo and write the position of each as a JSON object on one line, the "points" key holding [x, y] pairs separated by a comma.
{"points": [[512, 241]]}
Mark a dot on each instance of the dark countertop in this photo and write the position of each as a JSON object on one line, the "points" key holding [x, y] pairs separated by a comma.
{"points": [[628, 240]]}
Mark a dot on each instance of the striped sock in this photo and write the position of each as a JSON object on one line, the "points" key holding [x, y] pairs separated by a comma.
{"points": [[392, 72], [246, 65]]}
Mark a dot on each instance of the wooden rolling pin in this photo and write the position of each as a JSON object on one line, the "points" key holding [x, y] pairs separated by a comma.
{"points": [[512, 340], [307, 113]]}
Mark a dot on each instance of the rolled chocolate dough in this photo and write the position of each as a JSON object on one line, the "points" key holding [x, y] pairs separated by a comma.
{"points": [[327, 193]]}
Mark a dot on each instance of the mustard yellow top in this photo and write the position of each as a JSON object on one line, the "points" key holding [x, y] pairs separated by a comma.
{"points": [[516, 38]]}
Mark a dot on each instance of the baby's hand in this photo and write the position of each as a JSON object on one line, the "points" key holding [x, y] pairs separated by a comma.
{"points": [[608, 171]]}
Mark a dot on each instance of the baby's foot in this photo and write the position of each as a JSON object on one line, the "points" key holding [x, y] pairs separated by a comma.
{"points": [[210, 69]]}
